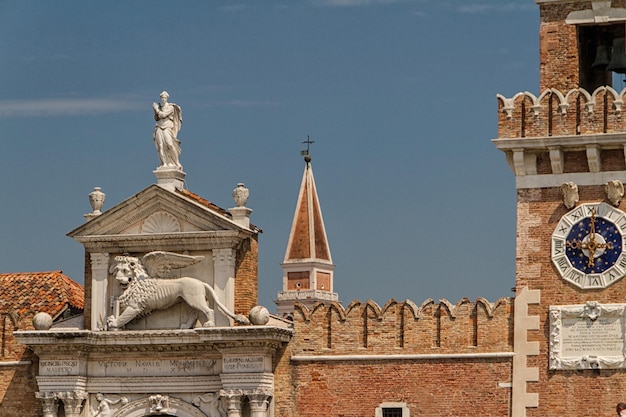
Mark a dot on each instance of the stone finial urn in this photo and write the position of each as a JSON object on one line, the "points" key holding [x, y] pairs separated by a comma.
{"points": [[240, 195], [96, 199]]}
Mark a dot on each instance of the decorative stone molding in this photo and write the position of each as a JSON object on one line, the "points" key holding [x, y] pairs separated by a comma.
{"points": [[223, 257], [600, 344], [614, 191], [99, 260], [233, 401], [556, 160], [601, 12], [72, 402], [215, 405], [593, 158], [170, 178], [159, 404], [49, 403], [161, 222], [169, 406], [570, 194], [258, 403]]}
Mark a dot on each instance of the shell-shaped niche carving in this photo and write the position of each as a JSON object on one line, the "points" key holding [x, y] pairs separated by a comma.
{"points": [[160, 222]]}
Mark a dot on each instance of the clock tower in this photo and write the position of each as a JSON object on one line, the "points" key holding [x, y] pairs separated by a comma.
{"points": [[566, 146]]}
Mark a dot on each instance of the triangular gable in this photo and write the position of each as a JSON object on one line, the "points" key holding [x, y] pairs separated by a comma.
{"points": [[156, 210]]}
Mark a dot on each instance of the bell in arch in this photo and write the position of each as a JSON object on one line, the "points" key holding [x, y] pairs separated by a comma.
{"points": [[602, 57], [618, 57]]}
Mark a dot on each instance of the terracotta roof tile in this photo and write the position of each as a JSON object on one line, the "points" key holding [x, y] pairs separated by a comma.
{"points": [[195, 197], [50, 292]]}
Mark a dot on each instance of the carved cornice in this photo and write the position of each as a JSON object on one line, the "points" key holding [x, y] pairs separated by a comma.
{"points": [[192, 340], [164, 241]]}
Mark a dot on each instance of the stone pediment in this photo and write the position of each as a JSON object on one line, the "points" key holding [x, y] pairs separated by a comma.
{"points": [[160, 218]]}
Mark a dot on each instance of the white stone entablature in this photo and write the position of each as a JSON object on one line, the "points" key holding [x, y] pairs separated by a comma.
{"points": [[198, 370]]}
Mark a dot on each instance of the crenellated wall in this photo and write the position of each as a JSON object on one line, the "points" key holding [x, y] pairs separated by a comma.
{"points": [[557, 113], [347, 361], [404, 327]]}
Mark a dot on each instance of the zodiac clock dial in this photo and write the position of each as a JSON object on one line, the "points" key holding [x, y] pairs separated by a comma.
{"points": [[587, 246]]}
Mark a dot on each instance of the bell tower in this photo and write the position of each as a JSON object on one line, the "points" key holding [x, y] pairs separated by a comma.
{"points": [[308, 266], [566, 146]]}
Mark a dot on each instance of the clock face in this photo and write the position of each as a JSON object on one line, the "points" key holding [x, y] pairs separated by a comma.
{"points": [[588, 243]]}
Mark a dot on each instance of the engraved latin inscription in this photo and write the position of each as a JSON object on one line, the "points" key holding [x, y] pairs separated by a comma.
{"points": [[146, 367], [587, 336], [602, 337], [243, 364], [58, 367]]}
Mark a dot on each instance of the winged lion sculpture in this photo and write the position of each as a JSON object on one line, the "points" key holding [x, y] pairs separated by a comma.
{"points": [[147, 289]]}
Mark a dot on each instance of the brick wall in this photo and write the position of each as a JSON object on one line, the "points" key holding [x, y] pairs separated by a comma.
{"points": [[246, 276], [17, 381], [359, 382], [559, 113]]}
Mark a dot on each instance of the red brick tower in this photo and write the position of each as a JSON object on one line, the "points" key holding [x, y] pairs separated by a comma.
{"points": [[567, 148]]}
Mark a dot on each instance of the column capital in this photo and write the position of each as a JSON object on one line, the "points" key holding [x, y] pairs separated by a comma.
{"points": [[233, 401], [49, 403], [224, 257], [72, 402], [99, 260]]}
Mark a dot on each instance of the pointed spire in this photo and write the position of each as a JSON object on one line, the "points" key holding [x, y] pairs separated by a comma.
{"points": [[307, 240], [308, 265]]}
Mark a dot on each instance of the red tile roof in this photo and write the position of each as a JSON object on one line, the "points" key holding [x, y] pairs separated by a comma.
{"points": [[31, 292], [195, 197]]}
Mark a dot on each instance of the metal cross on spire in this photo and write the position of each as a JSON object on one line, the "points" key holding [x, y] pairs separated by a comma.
{"points": [[307, 155]]}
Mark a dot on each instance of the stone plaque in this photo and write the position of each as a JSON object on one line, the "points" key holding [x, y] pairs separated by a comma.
{"points": [[58, 367], [241, 363], [152, 367], [587, 336]]}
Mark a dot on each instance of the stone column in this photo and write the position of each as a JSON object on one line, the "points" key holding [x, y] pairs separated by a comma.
{"points": [[224, 282], [49, 403], [72, 402], [233, 401], [99, 290], [258, 404]]}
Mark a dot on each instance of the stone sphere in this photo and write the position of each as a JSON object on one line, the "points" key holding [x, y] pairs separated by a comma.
{"points": [[259, 315], [42, 321]]}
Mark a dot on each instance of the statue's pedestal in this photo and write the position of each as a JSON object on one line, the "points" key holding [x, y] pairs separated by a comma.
{"points": [[170, 178]]}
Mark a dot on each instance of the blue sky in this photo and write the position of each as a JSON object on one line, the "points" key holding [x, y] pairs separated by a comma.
{"points": [[399, 97]]}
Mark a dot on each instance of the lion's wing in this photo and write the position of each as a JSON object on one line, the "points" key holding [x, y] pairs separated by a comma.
{"points": [[160, 263]]}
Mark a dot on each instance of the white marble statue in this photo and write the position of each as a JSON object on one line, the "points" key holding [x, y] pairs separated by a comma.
{"points": [[144, 294], [104, 405], [169, 119]]}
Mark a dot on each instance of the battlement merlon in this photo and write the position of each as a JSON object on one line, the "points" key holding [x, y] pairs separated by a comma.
{"points": [[543, 136]]}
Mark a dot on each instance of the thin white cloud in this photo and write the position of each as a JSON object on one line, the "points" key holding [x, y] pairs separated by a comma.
{"points": [[64, 107], [487, 7]]}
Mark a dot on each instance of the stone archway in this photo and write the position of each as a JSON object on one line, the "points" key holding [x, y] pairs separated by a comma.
{"points": [[159, 405]]}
